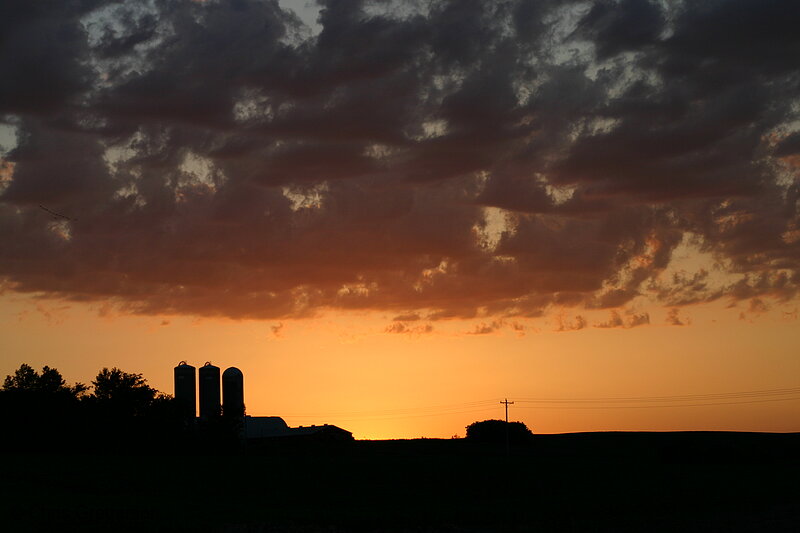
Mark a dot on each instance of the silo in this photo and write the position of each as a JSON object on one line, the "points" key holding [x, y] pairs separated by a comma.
{"points": [[209, 391], [233, 392], [185, 394]]}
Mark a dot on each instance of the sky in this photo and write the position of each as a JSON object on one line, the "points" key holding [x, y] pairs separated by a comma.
{"points": [[393, 214]]}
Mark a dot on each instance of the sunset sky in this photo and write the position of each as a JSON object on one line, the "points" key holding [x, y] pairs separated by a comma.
{"points": [[392, 214]]}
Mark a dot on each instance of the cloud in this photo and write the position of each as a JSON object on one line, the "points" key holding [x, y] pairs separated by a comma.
{"points": [[517, 327], [674, 318], [630, 319], [408, 317], [756, 307], [576, 323], [614, 321], [616, 27], [789, 146], [53, 314], [486, 328], [401, 327], [637, 319], [221, 159]]}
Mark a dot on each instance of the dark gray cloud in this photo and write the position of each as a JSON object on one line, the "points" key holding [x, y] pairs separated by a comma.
{"points": [[619, 26], [439, 160], [789, 146], [41, 52]]}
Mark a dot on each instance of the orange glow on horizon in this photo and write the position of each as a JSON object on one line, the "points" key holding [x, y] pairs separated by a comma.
{"points": [[348, 371]]}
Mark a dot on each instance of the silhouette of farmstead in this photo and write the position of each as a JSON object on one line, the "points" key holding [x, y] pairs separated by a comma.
{"points": [[253, 429]]}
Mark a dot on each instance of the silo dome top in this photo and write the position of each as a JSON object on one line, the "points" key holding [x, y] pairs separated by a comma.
{"points": [[232, 372]]}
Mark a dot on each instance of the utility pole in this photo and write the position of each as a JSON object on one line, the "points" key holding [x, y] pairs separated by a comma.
{"points": [[507, 403], [508, 446]]}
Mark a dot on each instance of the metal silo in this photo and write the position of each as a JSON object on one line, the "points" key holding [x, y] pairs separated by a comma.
{"points": [[209, 391], [185, 394], [233, 392]]}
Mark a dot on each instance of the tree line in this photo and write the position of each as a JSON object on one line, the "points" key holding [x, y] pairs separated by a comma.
{"points": [[40, 411]]}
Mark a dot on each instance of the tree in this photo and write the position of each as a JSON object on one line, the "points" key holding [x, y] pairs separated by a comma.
{"points": [[39, 410], [126, 413], [122, 392], [494, 431], [50, 381], [24, 378]]}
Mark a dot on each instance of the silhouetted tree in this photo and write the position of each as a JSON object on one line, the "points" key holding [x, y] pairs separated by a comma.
{"points": [[26, 379], [40, 410], [494, 431], [124, 393], [126, 412]]}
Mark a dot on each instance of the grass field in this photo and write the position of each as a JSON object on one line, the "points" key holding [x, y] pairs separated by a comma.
{"points": [[577, 482]]}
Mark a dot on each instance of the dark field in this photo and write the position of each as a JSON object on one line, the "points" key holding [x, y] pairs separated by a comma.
{"points": [[576, 482]]}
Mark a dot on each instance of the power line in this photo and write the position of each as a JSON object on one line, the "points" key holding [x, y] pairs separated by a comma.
{"points": [[380, 418], [659, 406], [616, 402], [406, 410], [673, 398]]}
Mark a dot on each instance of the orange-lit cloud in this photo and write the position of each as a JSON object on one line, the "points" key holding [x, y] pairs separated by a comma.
{"points": [[402, 327], [574, 324], [674, 318]]}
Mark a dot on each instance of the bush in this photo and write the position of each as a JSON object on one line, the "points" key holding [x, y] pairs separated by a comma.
{"points": [[494, 431]]}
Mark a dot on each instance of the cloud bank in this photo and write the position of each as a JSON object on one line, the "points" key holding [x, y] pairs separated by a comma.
{"points": [[448, 158]]}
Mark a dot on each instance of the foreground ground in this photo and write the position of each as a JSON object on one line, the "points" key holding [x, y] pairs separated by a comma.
{"points": [[578, 482]]}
